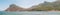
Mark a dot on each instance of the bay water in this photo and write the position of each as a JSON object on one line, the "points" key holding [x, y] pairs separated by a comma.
{"points": [[30, 13]]}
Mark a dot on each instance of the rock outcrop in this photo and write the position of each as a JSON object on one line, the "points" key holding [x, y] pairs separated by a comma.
{"points": [[13, 7]]}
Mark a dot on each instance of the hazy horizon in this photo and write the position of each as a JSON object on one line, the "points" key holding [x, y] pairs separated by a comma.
{"points": [[22, 3]]}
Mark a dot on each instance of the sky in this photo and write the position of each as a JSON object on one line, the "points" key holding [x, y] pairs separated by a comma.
{"points": [[4, 4]]}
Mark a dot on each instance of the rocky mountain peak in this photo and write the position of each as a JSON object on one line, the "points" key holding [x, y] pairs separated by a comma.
{"points": [[13, 7]]}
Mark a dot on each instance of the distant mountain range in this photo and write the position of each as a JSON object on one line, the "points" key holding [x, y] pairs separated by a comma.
{"points": [[46, 6], [14, 7]]}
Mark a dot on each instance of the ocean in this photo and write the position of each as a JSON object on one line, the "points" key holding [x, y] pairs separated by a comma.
{"points": [[30, 13]]}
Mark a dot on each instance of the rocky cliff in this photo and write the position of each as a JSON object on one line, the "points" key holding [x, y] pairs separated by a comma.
{"points": [[14, 7]]}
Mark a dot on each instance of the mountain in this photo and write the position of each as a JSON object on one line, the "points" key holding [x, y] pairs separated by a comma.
{"points": [[48, 6], [13, 7]]}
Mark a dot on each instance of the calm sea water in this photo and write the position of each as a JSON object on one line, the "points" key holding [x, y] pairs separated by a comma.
{"points": [[29, 13]]}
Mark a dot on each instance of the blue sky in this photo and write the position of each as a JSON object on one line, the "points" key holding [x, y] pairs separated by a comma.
{"points": [[22, 3]]}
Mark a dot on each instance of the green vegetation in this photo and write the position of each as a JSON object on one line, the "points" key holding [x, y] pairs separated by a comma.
{"points": [[48, 6]]}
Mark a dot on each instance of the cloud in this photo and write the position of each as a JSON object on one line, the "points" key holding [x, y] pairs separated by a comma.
{"points": [[2, 9]]}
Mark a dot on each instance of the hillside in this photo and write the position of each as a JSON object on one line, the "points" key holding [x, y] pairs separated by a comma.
{"points": [[14, 7], [47, 6]]}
